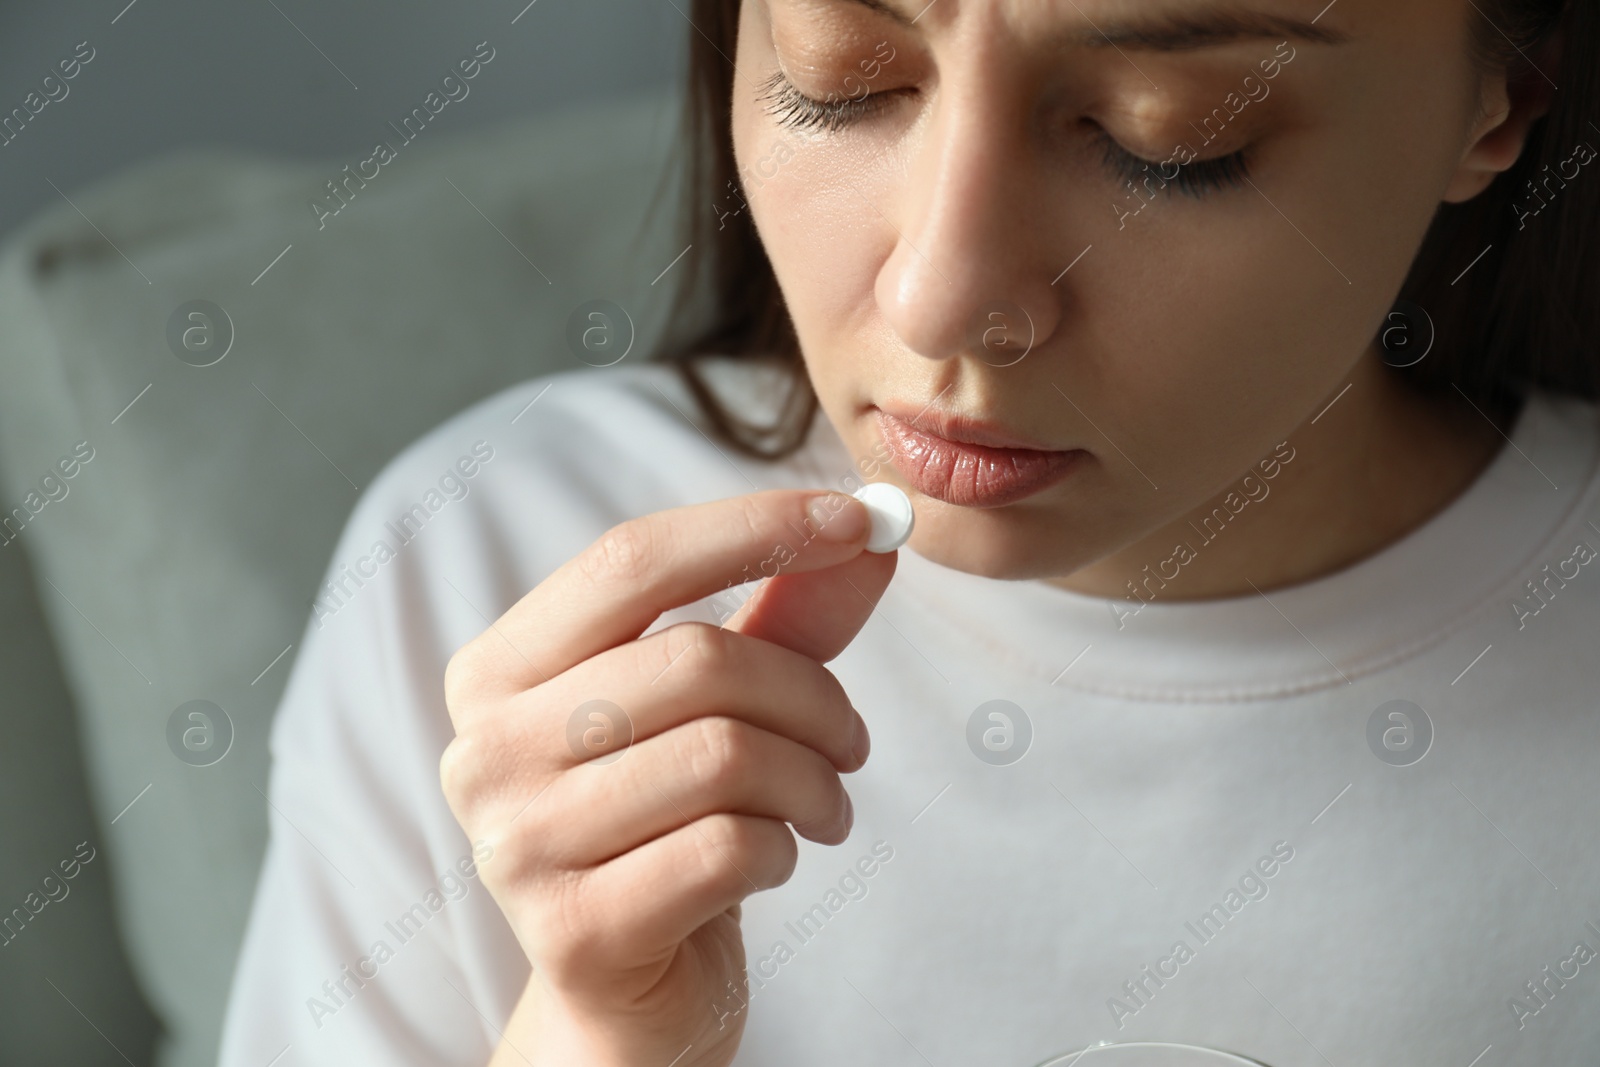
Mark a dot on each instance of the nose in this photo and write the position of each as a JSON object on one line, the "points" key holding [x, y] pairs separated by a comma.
{"points": [[971, 273]]}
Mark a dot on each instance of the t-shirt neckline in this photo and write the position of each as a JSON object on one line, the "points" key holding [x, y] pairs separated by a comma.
{"points": [[1329, 631]]}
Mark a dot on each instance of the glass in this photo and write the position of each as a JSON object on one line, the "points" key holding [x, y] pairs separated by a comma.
{"points": [[1149, 1054]]}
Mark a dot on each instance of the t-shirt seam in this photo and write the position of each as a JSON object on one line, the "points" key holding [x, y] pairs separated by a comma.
{"points": [[1363, 666]]}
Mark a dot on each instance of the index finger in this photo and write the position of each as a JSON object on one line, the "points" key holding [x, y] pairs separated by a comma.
{"points": [[615, 588]]}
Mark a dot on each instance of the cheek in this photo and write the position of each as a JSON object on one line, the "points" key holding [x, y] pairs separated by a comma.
{"points": [[825, 242], [1212, 328], [824, 250], [1200, 352], [804, 198], [1264, 310]]}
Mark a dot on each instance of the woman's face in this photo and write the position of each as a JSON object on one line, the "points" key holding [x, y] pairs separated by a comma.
{"points": [[1038, 219]]}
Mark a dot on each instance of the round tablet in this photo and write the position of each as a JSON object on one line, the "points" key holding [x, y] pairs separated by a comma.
{"points": [[892, 517]]}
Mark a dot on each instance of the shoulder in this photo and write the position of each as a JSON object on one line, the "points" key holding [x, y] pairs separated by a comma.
{"points": [[626, 436], [1540, 509], [500, 494], [1562, 422]]}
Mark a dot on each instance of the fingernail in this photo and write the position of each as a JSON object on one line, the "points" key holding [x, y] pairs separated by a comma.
{"points": [[838, 518], [861, 742], [849, 814]]}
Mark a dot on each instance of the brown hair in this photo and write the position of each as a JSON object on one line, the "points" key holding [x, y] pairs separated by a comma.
{"points": [[1524, 314]]}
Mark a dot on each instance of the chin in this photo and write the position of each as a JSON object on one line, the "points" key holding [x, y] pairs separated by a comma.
{"points": [[998, 553]]}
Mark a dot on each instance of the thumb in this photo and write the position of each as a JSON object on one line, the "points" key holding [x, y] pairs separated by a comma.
{"points": [[817, 613]]}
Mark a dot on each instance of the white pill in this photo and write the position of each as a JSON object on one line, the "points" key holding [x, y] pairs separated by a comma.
{"points": [[892, 517]]}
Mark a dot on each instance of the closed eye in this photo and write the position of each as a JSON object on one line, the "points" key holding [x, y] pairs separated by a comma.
{"points": [[1195, 178], [794, 109]]}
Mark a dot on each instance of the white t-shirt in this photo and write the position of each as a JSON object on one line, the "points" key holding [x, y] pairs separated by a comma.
{"points": [[1219, 831]]}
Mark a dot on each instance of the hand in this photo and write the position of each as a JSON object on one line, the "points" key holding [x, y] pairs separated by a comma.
{"points": [[622, 849]]}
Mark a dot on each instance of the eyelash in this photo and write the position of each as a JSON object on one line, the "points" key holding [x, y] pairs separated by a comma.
{"points": [[1196, 178], [793, 109]]}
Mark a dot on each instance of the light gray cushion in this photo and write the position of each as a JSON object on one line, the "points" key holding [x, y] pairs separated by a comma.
{"points": [[185, 553], [65, 956]]}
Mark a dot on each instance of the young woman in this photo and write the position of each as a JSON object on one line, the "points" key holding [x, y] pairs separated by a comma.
{"points": [[1235, 691]]}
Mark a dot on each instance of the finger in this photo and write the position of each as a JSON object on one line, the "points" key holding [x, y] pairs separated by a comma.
{"points": [[817, 613], [638, 691], [615, 588], [596, 812], [694, 874], [686, 671]]}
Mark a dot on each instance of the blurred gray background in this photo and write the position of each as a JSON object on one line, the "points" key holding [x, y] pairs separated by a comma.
{"points": [[289, 77], [266, 74]]}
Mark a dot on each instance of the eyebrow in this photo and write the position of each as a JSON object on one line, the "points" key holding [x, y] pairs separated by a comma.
{"points": [[1172, 32]]}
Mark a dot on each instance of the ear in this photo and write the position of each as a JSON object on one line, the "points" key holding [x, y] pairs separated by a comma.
{"points": [[1511, 106]]}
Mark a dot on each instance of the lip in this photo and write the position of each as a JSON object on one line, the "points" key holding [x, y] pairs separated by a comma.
{"points": [[966, 461]]}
